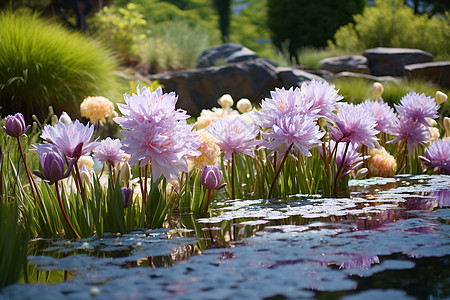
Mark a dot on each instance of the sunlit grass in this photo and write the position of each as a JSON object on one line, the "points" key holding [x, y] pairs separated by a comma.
{"points": [[43, 64]]}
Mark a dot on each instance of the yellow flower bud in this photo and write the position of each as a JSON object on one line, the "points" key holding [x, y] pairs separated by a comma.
{"points": [[244, 105], [440, 97], [65, 118], [97, 109], [434, 134], [377, 90], [226, 101], [447, 126], [86, 161]]}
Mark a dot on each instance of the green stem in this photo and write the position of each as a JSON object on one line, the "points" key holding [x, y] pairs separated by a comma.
{"points": [[340, 169], [278, 171], [233, 195], [61, 206]]}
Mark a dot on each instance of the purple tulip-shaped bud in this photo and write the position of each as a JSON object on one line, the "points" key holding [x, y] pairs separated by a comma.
{"points": [[15, 125], [53, 165], [126, 196], [211, 177]]}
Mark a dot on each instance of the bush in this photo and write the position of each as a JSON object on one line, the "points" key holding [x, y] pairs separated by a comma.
{"points": [[392, 24], [121, 29], [42, 64], [175, 46]]}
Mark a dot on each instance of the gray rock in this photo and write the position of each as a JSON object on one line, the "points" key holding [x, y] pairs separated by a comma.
{"points": [[293, 77], [368, 77], [228, 53], [391, 61], [253, 79], [351, 63], [437, 72], [200, 88]]}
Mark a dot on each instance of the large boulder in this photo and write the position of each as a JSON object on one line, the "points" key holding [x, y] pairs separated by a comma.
{"points": [[437, 72], [200, 88], [254, 79], [225, 53], [391, 61], [350, 63]]}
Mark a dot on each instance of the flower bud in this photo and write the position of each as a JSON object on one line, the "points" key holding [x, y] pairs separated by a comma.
{"points": [[244, 105], [85, 160], [15, 125], [126, 196], [361, 173], [377, 90], [53, 163], [226, 101], [211, 176], [65, 118], [440, 97], [447, 125]]}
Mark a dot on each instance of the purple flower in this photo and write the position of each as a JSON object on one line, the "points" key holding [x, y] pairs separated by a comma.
{"points": [[413, 132], [126, 196], [354, 125], [442, 197], [283, 102], [382, 113], [211, 176], [353, 158], [417, 107], [15, 125], [301, 131], [437, 157], [52, 163], [109, 151], [234, 136], [155, 132], [72, 139], [323, 96]]}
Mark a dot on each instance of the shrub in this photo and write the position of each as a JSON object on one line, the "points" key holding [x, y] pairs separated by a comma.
{"points": [[42, 64], [174, 46], [392, 24], [121, 29]]}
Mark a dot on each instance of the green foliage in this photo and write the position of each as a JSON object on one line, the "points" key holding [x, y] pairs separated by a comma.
{"points": [[121, 29], [175, 46], [392, 24], [43, 64], [307, 23], [249, 27]]}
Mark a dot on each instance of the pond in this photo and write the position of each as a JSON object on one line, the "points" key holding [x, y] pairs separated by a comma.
{"points": [[388, 239]]}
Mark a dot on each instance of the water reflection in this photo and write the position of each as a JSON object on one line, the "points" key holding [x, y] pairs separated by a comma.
{"points": [[232, 222]]}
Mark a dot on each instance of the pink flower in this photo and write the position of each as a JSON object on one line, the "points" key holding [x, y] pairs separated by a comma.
{"points": [[301, 131], [437, 157], [412, 131], [382, 113], [235, 136], [323, 97], [154, 131], [109, 151], [283, 102], [417, 107], [354, 125], [68, 138]]}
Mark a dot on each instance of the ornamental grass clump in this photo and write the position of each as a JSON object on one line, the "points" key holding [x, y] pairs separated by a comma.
{"points": [[43, 64]]}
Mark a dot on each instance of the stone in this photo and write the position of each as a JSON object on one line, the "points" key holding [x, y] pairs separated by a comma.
{"points": [[198, 89], [225, 53], [391, 61], [437, 72], [367, 77], [351, 63], [289, 77]]}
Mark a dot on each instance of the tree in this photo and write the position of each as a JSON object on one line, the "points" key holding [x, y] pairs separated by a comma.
{"points": [[300, 23], [223, 8]]}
